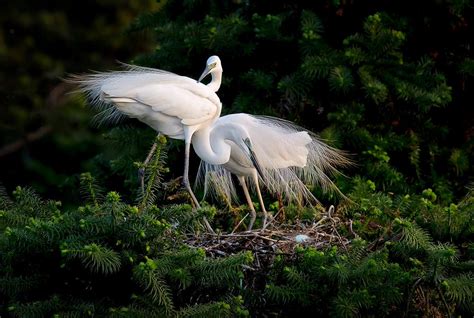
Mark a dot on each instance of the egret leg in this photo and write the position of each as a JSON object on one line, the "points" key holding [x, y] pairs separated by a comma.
{"points": [[187, 184], [253, 214], [186, 175], [260, 199], [141, 171]]}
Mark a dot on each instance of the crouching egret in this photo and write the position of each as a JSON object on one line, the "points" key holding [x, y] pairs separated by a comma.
{"points": [[288, 156], [174, 105]]}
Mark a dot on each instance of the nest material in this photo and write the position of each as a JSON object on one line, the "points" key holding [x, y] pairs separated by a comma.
{"points": [[275, 239]]}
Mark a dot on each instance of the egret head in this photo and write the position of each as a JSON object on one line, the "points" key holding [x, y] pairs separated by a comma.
{"points": [[213, 65]]}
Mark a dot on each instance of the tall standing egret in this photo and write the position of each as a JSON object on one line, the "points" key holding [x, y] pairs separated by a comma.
{"points": [[287, 156], [174, 105]]}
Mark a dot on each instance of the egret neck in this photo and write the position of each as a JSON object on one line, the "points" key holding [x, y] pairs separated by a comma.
{"points": [[210, 144], [215, 83]]}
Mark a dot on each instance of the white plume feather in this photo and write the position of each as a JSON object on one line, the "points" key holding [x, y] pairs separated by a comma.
{"points": [[291, 157]]}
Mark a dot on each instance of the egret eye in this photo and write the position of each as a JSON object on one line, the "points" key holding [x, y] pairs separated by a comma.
{"points": [[212, 65]]}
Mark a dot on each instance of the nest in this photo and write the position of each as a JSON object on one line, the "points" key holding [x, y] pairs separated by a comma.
{"points": [[275, 239]]}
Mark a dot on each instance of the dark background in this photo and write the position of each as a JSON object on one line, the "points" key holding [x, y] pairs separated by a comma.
{"points": [[45, 135]]}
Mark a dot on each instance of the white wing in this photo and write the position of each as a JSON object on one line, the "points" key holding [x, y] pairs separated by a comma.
{"points": [[322, 160], [275, 146], [168, 99], [173, 99], [290, 155]]}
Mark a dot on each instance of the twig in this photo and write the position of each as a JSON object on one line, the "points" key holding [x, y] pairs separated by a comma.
{"points": [[319, 222], [141, 170], [412, 290], [330, 211], [273, 219], [352, 230], [238, 224], [440, 292], [329, 216], [266, 238], [340, 239], [244, 234]]}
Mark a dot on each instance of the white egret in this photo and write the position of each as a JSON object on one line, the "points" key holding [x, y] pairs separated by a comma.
{"points": [[174, 105], [287, 156]]}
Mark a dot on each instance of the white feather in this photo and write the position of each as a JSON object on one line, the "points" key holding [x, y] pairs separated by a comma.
{"points": [[290, 156], [163, 100]]}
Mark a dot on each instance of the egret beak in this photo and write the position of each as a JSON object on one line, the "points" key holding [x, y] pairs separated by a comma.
{"points": [[253, 157], [206, 72]]}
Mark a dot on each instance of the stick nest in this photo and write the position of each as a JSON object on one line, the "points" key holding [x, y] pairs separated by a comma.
{"points": [[275, 239]]}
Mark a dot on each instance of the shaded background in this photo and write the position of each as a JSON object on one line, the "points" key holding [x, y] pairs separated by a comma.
{"points": [[45, 136]]}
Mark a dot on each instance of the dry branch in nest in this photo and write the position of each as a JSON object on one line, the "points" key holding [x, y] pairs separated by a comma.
{"points": [[275, 239]]}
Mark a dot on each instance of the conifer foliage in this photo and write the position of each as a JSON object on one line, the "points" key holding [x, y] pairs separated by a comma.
{"points": [[107, 258], [371, 81]]}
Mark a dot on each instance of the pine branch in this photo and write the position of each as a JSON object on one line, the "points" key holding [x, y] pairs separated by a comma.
{"points": [[339, 273], [95, 257], [13, 286], [344, 307], [294, 87], [284, 294], [89, 189], [311, 22], [5, 201], [211, 309], [35, 309], [152, 282], [318, 66], [222, 272], [154, 171], [340, 79], [460, 290], [466, 67], [415, 237]]}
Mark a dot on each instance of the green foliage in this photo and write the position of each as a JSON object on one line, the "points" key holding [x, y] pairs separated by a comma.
{"points": [[460, 290], [57, 262], [387, 83], [361, 282], [335, 282], [154, 170], [429, 248], [107, 257], [217, 309], [153, 284], [96, 258], [129, 147], [89, 188], [225, 272]]}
